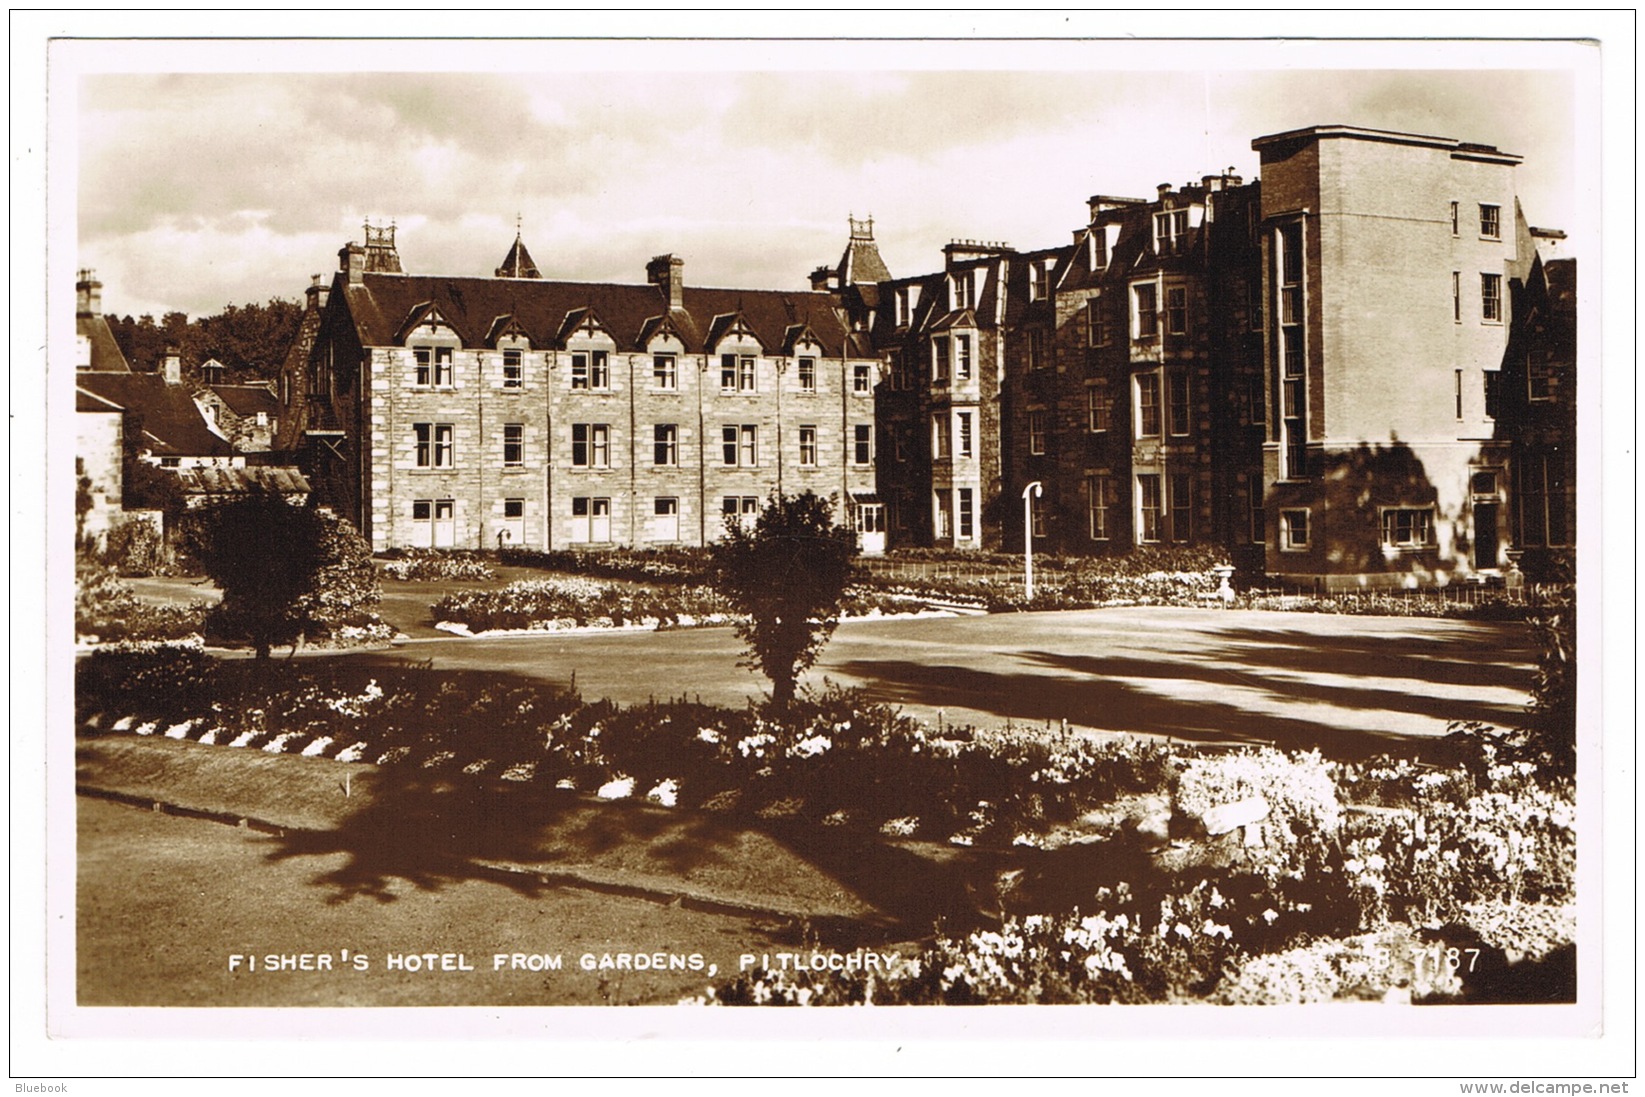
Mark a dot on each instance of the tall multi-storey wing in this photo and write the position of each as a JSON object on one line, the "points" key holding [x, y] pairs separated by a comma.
{"points": [[1385, 257]]}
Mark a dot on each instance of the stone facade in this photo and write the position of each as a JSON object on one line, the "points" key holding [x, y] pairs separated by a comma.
{"points": [[1295, 372], [518, 411]]}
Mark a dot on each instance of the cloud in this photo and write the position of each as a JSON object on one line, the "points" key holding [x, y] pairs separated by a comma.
{"points": [[200, 189]]}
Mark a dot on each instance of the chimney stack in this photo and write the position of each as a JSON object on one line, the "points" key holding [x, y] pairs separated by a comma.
{"points": [[351, 258], [88, 294], [821, 279], [316, 294], [668, 271], [172, 366]]}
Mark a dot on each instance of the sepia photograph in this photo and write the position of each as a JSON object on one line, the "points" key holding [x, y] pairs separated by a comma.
{"points": [[1081, 525]]}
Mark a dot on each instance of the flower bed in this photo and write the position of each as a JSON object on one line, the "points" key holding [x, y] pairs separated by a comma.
{"points": [[430, 565], [1389, 880], [107, 610]]}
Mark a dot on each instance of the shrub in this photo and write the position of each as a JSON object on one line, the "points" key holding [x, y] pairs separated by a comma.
{"points": [[107, 610], [1303, 811], [171, 681], [660, 565], [137, 547], [537, 603]]}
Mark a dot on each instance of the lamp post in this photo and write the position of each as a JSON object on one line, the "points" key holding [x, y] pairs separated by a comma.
{"points": [[1029, 494]]}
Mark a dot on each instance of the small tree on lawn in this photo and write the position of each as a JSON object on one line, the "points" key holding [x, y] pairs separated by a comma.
{"points": [[285, 571], [787, 576]]}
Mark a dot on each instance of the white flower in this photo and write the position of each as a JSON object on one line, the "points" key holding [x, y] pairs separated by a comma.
{"points": [[667, 793], [317, 747], [708, 735], [619, 789]]}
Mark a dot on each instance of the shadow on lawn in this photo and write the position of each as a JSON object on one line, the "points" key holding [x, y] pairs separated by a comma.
{"points": [[1265, 666]]}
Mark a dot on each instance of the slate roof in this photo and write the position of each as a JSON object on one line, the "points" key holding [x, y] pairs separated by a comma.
{"points": [[517, 263], [90, 401], [381, 306], [172, 423], [106, 355], [247, 400], [231, 481]]}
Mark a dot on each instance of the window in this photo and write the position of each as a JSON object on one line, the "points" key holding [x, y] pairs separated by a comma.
{"points": [[740, 445], [1148, 412], [590, 520], [808, 374], [1146, 311], [900, 301], [1293, 530], [513, 369], [942, 516], [962, 357], [898, 371], [939, 436], [1459, 394], [1176, 310], [939, 361], [1099, 409], [1099, 248], [512, 529], [861, 378], [1148, 507], [1406, 527], [1036, 281], [590, 445], [1539, 376], [1036, 432], [435, 445], [862, 439], [737, 373], [513, 508], [1546, 502], [1456, 214], [665, 442], [1096, 323], [967, 526], [808, 447], [1493, 393], [964, 420], [960, 290], [1100, 493], [1456, 296], [1182, 506], [1177, 395], [665, 520], [744, 508], [1037, 358], [1490, 298], [1169, 229], [591, 370], [1259, 531], [1258, 401], [513, 445], [434, 366], [1036, 515], [1490, 221], [1292, 352], [664, 371]]}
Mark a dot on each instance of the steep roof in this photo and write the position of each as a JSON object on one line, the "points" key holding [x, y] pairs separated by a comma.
{"points": [[106, 355], [517, 263], [172, 423], [248, 400], [380, 307], [861, 261]]}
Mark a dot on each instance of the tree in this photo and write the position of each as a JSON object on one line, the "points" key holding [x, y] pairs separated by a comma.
{"points": [[286, 572], [787, 577]]}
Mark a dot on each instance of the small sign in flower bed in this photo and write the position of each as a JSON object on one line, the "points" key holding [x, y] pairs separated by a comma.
{"points": [[1114, 870]]}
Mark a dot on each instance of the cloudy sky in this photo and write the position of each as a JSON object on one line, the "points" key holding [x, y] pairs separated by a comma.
{"points": [[199, 188]]}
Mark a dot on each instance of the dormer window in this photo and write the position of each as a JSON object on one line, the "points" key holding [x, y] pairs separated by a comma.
{"points": [[1169, 228], [901, 304], [961, 289], [1097, 254], [1036, 282]]}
